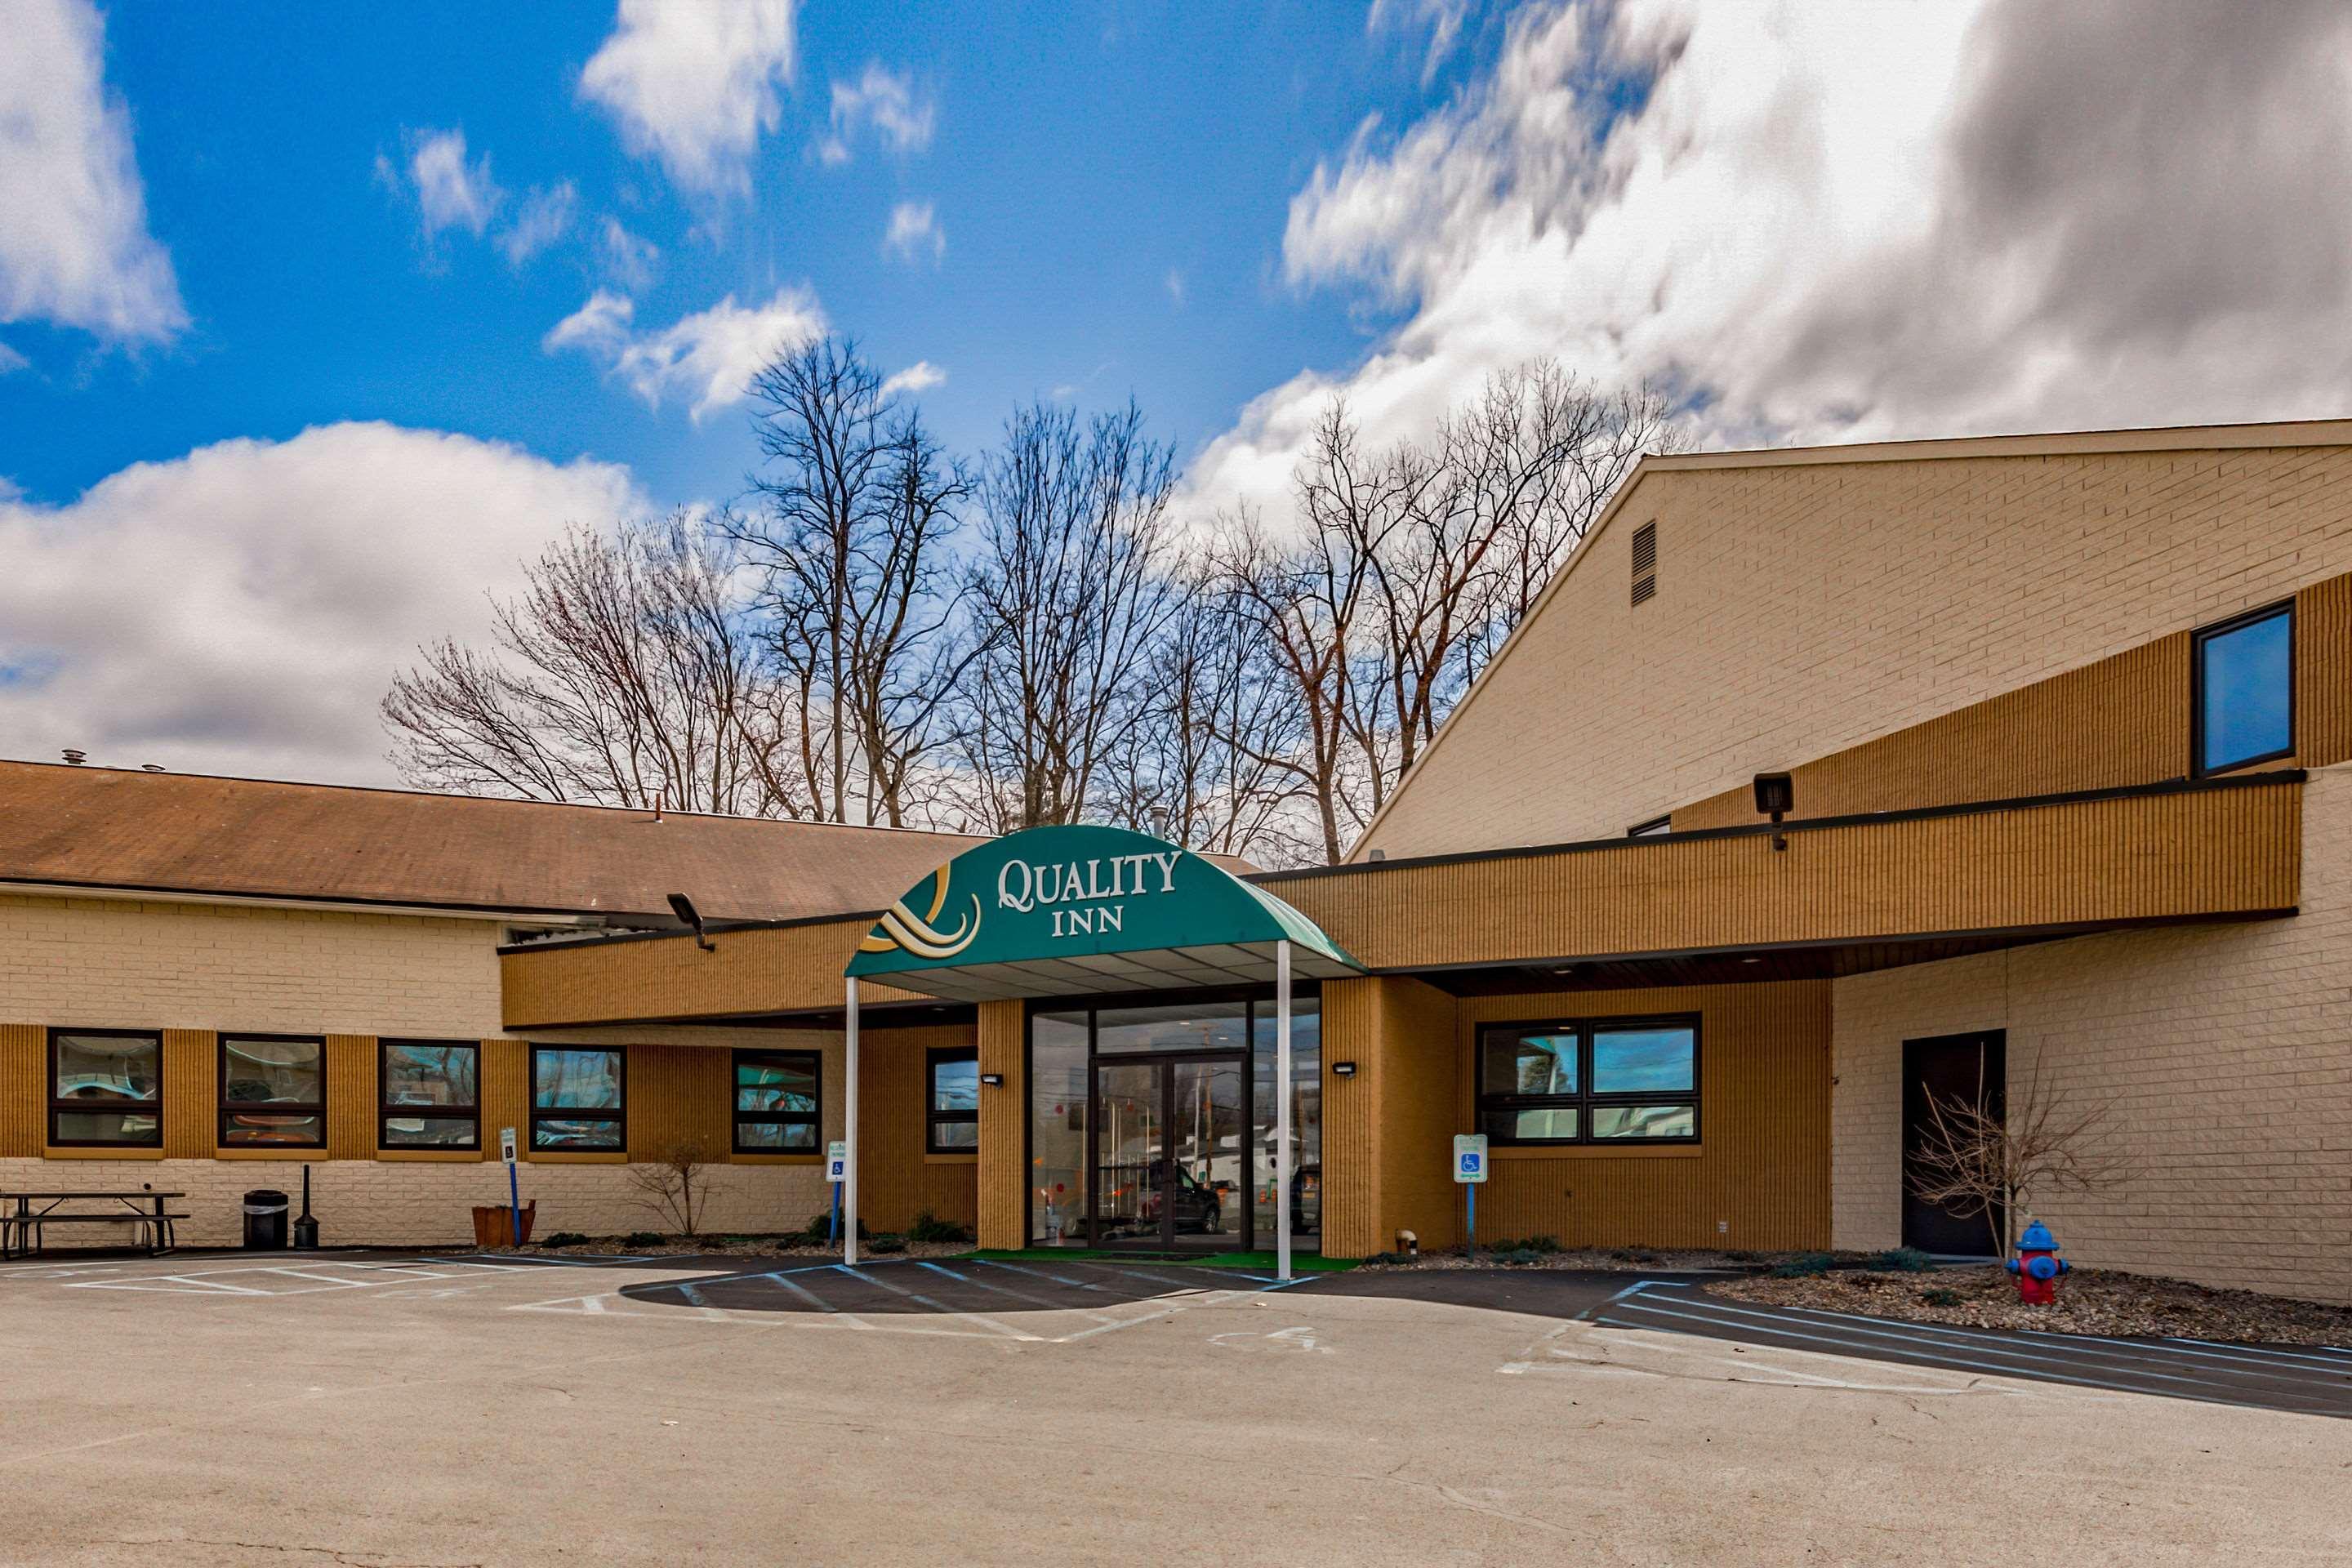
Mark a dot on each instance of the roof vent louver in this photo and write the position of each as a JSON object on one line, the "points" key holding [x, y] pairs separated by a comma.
{"points": [[1645, 563]]}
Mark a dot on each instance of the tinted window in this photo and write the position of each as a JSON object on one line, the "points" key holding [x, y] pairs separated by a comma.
{"points": [[430, 1089], [273, 1091], [1643, 1061], [106, 1089], [778, 1101], [577, 1098], [2245, 682]]}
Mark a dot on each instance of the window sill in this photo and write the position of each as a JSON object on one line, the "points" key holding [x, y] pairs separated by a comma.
{"points": [[1626, 1150], [443, 1156], [751, 1157], [78, 1152], [971, 1157], [271, 1152], [577, 1157]]}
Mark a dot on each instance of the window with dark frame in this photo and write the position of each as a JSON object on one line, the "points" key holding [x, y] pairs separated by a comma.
{"points": [[951, 1079], [778, 1102], [579, 1099], [1570, 1081], [273, 1091], [106, 1089], [2243, 705], [430, 1094]]}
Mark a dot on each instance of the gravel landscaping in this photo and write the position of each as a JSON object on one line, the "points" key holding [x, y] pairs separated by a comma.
{"points": [[2090, 1302]]}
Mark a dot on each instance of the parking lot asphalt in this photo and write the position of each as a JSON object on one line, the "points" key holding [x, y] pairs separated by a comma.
{"points": [[411, 1409]]}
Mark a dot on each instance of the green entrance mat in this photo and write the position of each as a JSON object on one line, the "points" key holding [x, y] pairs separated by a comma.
{"points": [[1300, 1262]]}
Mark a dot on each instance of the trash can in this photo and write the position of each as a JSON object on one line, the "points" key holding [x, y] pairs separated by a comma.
{"points": [[265, 1220]]}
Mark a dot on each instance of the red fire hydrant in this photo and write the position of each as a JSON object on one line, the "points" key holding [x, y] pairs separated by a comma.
{"points": [[2037, 1266]]}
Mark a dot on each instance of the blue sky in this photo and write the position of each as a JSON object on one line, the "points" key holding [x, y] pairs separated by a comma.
{"points": [[316, 322], [1078, 163]]}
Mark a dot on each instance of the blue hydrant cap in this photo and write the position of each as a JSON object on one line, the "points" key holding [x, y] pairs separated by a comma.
{"points": [[2037, 1238]]}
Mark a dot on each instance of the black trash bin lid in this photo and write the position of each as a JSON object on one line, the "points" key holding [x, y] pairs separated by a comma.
{"points": [[266, 1198]]}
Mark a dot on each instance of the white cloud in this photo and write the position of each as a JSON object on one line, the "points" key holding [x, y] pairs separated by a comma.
{"points": [[74, 245], [11, 360], [450, 192], [693, 85], [1175, 285], [628, 259], [241, 609], [709, 357], [901, 117], [544, 219], [1827, 221], [918, 377], [1442, 18], [914, 233]]}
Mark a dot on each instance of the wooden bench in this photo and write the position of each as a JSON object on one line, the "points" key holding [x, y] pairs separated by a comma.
{"points": [[24, 1230]]}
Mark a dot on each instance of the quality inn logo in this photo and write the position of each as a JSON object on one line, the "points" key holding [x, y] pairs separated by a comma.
{"points": [[906, 931]]}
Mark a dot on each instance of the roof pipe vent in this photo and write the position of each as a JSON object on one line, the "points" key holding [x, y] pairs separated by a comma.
{"points": [[76, 758]]}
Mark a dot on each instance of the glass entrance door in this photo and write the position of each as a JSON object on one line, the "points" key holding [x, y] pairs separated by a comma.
{"points": [[1172, 1153]]}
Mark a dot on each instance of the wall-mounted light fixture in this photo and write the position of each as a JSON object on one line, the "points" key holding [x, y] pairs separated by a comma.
{"points": [[1776, 794], [992, 1080], [683, 908], [1343, 1069]]}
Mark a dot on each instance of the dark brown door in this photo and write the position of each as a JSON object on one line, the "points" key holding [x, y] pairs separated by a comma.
{"points": [[1965, 1070]]}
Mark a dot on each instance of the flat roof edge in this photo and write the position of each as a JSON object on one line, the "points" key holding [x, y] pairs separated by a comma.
{"points": [[2054, 443]]}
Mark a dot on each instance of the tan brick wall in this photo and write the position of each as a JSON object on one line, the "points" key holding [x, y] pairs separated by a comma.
{"points": [[120, 964], [2225, 1052], [380, 1202], [1802, 610], [193, 970]]}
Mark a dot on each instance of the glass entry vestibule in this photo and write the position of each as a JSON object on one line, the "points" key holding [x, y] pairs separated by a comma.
{"points": [[1153, 1127]]}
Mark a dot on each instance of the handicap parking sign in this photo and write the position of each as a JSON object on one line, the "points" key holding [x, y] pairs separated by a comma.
{"points": [[836, 1160], [1470, 1157]]}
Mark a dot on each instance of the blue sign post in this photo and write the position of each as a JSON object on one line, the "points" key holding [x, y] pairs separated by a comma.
{"points": [[1470, 1169]]}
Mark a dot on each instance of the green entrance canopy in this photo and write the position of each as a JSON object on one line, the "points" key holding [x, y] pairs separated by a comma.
{"points": [[1055, 911]]}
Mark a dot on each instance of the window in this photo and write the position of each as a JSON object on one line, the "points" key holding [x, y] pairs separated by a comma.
{"points": [[1658, 826], [273, 1092], [106, 1089], [431, 1095], [953, 1108], [1590, 1082], [777, 1101], [576, 1100], [2244, 698]]}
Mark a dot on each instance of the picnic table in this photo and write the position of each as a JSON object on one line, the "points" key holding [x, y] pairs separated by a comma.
{"points": [[24, 1226]]}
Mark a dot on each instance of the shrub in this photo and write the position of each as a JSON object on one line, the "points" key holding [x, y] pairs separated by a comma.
{"points": [[1739, 1255], [882, 1245], [1941, 1297], [644, 1238], [1519, 1255], [928, 1226], [1804, 1266], [566, 1238], [1392, 1258], [820, 1230], [1901, 1260]]}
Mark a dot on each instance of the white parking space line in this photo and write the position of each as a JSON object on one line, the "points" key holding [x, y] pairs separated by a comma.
{"points": [[922, 1301]]}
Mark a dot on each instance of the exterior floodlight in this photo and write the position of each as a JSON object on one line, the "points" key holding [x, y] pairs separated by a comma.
{"points": [[1776, 794], [1343, 1069], [683, 908], [992, 1079]]}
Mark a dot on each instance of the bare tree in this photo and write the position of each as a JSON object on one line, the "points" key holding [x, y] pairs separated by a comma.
{"points": [[677, 1182], [1195, 768], [1067, 592], [857, 503], [1973, 1161], [624, 674]]}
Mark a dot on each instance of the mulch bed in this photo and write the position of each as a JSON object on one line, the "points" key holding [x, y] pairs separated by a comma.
{"points": [[2090, 1302]]}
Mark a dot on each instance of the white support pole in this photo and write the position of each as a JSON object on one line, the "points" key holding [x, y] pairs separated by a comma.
{"points": [[849, 1135], [1282, 1110]]}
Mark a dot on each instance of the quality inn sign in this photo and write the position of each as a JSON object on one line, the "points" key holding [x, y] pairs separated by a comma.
{"points": [[1074, 894]]}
